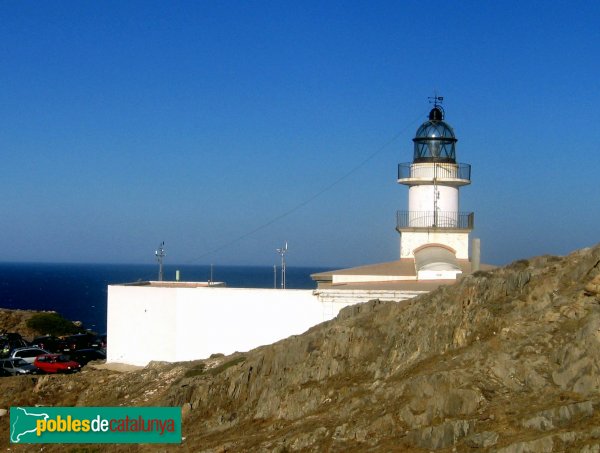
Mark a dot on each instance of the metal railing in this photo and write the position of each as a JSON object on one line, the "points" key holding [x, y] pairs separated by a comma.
{"points": [[437, 170], [433, 219]]}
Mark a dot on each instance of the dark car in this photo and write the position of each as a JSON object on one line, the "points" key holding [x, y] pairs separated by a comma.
{"points": [[83, 356], [10, 341], [102, 339], [79, 341], [15, 367], [47, 342]]}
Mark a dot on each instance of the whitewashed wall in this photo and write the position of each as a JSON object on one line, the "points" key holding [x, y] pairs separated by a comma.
{"points": [[411, 240], [147, 323], [421, 198]]}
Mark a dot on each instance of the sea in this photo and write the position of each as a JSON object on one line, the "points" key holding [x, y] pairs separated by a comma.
{"points": [[79, 291]]}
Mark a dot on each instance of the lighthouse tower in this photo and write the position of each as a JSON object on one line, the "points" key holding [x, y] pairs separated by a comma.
{"points": [[433, 230]]}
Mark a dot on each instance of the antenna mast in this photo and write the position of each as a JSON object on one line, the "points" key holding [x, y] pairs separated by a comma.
{"points": [[160, 254], [282, 251]]}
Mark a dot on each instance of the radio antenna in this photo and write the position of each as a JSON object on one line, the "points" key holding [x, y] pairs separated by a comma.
{"points": [[160, 254], [282, 251]]}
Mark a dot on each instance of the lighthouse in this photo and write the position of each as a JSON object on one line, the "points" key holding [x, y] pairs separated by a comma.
{"points": [[434, 231]]}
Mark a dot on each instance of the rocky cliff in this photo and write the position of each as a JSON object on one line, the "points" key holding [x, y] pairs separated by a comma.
{"points": [[502, 361]]}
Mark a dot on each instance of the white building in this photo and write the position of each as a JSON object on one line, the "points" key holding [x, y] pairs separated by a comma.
{"points": [[176, 321]]}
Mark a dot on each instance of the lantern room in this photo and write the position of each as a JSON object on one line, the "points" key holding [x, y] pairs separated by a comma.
{"points": [[435, 140]]}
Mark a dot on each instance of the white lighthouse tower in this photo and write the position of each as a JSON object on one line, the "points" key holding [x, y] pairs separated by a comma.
{"points": [[433, 230]]}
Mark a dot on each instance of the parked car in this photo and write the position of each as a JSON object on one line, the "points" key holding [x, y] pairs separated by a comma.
{"points": [[15, 367], [47, 342], [28, 354], [83, 356], [80, 341], [10, 341], [100, 342], [56, 363]]}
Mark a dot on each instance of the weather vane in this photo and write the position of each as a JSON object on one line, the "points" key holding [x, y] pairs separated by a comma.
{"points": [[435, 99]]}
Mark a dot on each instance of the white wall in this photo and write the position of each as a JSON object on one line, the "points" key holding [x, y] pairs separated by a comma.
{"points": [[411, 240], [238, 319], [147, 323], [438, 275], [140, 320], [421, 198]]}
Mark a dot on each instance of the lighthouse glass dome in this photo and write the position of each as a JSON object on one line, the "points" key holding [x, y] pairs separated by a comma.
{"points": [[435, 140]]}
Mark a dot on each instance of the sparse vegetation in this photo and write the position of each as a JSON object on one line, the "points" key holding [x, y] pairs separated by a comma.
{"points": [[219, 369], [201, 368], [480, 274], [196, 370], [520, 264], [52, 324]]}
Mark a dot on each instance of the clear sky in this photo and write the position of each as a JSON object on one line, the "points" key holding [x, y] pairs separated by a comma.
{"points": [[197, 123]]}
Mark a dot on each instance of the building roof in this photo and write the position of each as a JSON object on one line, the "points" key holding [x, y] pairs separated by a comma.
{"points": [[394, 275], [396, 285], [173, 284], [404, 267]]}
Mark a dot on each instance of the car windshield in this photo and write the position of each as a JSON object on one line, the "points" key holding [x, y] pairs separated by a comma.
{"points": [[62, 358], [19, 362]]}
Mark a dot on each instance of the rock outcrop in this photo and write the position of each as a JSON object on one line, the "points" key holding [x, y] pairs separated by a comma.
{"points": [[503, 361], [16, 321]]}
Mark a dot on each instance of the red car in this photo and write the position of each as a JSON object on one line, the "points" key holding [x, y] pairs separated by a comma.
{"points": [[56, 363]]}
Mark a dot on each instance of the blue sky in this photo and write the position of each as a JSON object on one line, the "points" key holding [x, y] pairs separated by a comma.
{"points": [[128, 123]]}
